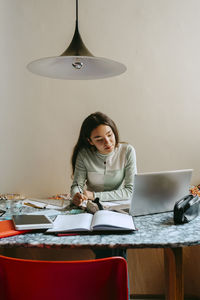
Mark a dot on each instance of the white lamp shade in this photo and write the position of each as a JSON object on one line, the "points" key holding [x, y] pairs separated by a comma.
{"points": [[76, 67]]}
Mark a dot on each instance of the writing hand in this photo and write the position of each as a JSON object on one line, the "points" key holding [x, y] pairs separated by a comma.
{"points": [[78, 199]]}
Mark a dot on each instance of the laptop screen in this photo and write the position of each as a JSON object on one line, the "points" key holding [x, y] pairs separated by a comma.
{"points": [[158, 191]]}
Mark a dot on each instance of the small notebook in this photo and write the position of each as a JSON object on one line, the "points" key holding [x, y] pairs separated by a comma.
{"points": [[102, 220], [7, 229]]}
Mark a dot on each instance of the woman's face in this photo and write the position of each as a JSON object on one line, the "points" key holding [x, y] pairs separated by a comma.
{"points": [[103, 139]]}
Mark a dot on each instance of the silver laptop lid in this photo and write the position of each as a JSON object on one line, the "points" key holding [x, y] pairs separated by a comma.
{"points": [[158, 191]]}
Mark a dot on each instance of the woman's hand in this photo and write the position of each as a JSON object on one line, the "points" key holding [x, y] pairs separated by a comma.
{"points": [[89, 195], [78, 199]]}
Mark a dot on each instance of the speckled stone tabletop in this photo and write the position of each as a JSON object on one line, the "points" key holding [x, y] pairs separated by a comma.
{"points": [[154, 231]]}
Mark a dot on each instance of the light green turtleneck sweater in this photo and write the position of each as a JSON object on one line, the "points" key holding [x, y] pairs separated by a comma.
{"points": [[109, 176]]}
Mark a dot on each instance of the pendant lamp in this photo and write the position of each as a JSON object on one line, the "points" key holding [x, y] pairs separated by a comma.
{"points": [[76, 62]]}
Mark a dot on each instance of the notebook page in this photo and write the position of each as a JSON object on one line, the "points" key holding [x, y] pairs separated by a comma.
{"points": [[79, 222], [104, 219]]}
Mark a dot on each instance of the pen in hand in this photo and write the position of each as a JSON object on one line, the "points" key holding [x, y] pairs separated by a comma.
{"points": [[79, 188], [78, 201]]}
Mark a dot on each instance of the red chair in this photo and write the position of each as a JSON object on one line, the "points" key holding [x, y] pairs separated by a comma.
{"points": [[100, 279]]}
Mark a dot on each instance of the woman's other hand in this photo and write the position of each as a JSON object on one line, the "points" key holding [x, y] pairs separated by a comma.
{"points": [[78, 199], [89, 195]]}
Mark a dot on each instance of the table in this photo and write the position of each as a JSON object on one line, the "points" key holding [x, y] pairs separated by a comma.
{"points": [[154, 231]]}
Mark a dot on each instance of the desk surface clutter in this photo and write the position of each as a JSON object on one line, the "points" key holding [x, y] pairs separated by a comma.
{"points": [[154, 231]]}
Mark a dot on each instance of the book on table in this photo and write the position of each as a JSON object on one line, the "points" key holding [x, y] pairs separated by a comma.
{"points": [[102, 220], [7, 228]]}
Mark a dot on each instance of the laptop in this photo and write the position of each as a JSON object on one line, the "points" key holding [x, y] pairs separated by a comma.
{"points": [[157, 192]]}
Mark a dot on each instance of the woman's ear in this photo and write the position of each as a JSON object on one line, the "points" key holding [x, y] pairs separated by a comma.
{"points": [[91, 143]]}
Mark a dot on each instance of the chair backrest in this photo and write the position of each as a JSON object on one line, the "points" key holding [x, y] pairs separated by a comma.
{"points": [[100, 279]]}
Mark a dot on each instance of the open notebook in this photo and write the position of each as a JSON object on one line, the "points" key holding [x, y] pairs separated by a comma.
{"points": [[102, 220]]}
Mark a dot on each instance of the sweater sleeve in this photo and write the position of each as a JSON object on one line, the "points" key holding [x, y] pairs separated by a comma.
{"points": [[125, 192], [79, 176]]}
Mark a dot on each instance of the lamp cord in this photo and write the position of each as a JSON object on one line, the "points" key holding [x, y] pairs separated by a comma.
{"points": [[77, 12]]}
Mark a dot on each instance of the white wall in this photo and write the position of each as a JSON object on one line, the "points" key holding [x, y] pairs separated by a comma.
{"points": [[155, 103]]}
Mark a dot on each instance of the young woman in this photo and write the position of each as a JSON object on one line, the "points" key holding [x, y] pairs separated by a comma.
{"points": [[102, 166]]}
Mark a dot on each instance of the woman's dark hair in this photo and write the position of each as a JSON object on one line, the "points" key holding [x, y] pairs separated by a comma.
{"points": [[90, 123]]}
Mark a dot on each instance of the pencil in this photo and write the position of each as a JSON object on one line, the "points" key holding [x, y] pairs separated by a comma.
{"points": [[79, 188]]}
